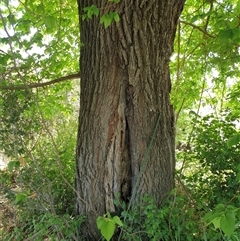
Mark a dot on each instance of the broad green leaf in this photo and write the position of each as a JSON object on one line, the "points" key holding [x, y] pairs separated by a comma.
{"points": [[107, 229], [40, 8], [100, 221], [37, 39], [4, 40], [20, 197], [227, 223], [95, 11], [225, 35], [234, 140], [209, 217], [116, 17], [238, 176], [220, 207], [238, 213], [90, 11], [117, 220], [84, 16], [216, 222], [106, 20], [236, 35], [11, 19], [215, 215], [4, 59], [194, 18], [13, 165], [199, 16], [50, 23]]}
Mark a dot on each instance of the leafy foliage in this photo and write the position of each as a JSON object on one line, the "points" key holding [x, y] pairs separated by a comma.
{"points": [[224, 218], [49, 226], [212, 165], [107, 224], [37, 49], [234, 140], [41, 189], [206, 59], [177, 219], [106, 18], [90, 11]]}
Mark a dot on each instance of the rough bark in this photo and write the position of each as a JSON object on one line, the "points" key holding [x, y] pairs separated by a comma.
{"points": [[125, 86]]}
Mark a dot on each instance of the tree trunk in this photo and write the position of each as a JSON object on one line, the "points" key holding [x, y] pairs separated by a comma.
{"points": [[125, 86]]}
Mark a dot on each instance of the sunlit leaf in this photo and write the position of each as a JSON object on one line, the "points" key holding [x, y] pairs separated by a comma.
{"points": [[100, 221], [234, 140], [90, 11], [20, 197], [216, 222], [117, 220], [107, 229], [50, 22], [227, 223]]}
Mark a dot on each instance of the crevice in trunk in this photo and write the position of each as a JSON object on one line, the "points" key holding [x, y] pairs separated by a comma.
{"points": [[126, 186]]}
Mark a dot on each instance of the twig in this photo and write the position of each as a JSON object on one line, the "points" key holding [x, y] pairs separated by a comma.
{"points": [[198, 28]]}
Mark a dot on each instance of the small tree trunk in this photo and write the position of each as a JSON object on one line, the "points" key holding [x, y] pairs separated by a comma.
{"points": [[125, 86]]}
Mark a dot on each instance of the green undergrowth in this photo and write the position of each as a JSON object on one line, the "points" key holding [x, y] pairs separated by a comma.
{"points": [[178, 219], [39, 190]]}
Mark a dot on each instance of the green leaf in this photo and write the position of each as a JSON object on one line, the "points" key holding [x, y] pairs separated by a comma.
{"points": [[209, 217], [236, 35], [40, 8], [21, 197], [234, 140], [220, 207], [107, 229], [238, 176], [100, 221], [11, 18], [13, 165], [4, 59], [95, 10], [238, 213], [117, 220], [50, 23], [84, 16], [90, 11], [194, 18], [225, 35], [227, 223], [116, 17], [215, 215], [106, 20], [216, 222]]}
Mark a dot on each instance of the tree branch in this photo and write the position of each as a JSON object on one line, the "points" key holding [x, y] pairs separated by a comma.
{"points": [[37, 85], [198, 28]]}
